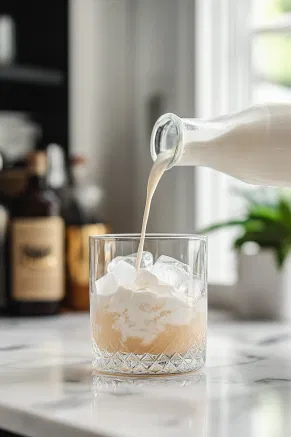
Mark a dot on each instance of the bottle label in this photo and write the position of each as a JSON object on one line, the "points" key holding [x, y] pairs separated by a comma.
{"points": [[37, 259], [3, 236]]}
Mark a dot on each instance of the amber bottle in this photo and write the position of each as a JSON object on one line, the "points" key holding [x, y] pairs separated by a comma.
{"points": [[36, 246]]}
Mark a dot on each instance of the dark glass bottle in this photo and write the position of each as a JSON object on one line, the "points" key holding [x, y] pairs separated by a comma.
{"points": [[3, 238], [36, 246]]}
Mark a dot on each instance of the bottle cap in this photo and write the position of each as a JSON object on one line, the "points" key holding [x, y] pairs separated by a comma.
{"points": [[37, 163], [77, 160]]}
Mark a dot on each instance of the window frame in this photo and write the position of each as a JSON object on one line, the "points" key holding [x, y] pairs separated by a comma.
{"points": [[223, 84]]}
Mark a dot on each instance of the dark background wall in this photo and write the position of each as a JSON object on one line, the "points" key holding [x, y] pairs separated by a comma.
{"points": [[37, 81]]}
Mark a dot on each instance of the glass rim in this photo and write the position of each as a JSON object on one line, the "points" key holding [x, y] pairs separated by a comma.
{"points": [[149, 236]]}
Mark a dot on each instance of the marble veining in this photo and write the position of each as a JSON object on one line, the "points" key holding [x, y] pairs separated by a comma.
{"points": [[47, 386]]}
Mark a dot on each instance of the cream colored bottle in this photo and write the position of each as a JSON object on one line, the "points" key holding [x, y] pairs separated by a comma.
{"points": [[253, 145]]}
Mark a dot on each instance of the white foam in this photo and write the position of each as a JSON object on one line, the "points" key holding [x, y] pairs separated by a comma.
{"points": [[144, 313], [142, 303]]}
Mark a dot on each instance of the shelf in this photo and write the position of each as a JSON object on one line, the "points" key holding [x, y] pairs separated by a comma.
{"points": [[279, 25], [32, 75]]}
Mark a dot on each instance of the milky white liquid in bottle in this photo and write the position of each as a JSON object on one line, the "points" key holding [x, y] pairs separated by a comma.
{"points": [[253, 145]]}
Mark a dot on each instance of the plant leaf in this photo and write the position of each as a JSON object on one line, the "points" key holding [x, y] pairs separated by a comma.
{"points": [[254, 225], [285, 212], [222, 225], [267, 222], [265, 213], [281, 254], [263, 241], [269, 236]]}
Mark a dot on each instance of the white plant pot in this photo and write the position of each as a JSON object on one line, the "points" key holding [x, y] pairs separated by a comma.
{"points": [[263, 290]]}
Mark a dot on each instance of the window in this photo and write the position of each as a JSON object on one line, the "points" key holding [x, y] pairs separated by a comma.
{"points": [[222, 86], [242, 57], [271, 47]]}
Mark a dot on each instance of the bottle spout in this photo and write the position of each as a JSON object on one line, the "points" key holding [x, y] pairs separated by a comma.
{"points": [[167, 138]]}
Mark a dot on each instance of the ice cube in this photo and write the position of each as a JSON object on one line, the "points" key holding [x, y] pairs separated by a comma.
{"points": [[162, 289], [201, 305], [146, 279], [146, 261], [196, 289], [111, 266], [106, 285], [172, 272], [124, 273]]}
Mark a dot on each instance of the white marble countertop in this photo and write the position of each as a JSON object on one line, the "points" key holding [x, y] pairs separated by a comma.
{"points": [[47, 389]]}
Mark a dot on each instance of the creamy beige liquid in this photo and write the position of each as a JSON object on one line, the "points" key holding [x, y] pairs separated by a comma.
{"points": [[158, 169]]}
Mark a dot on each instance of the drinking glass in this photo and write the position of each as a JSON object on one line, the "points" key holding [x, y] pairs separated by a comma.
{"points": [[154, 321]]}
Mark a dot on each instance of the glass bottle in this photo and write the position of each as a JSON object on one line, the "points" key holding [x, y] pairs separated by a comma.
{"points": [[253, 145], [36, 246], [3, 241], [80, 212], [57, 173]]}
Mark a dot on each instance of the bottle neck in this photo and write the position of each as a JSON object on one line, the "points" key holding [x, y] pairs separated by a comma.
{"points": [[37, 166], [57, 177], [36, 182], [77, 174], [168, 137]]}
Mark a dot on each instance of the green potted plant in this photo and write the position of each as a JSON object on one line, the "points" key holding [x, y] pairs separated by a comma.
{"points": [[264, 272]]}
